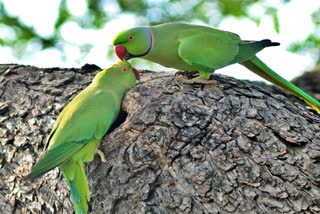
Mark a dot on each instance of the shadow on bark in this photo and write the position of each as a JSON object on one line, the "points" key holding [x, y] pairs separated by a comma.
{"points": [[237, 148]]}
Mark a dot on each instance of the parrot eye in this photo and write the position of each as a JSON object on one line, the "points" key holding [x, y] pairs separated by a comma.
{"points": [[124, 69], [131, 37]]}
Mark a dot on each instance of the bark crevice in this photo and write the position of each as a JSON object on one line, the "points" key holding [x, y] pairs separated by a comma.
{"points": [[179, 148]]}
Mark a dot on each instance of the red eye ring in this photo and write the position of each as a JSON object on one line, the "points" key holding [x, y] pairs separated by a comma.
{"points": [[131, 37]]}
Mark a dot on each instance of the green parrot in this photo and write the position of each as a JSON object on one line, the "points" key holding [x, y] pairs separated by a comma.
{"points": [[192, 48], [80, 127]]}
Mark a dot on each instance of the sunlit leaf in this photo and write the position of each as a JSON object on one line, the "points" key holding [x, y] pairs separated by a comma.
{"points": [[316, 17], [276, 23], [63, 16], [273, 12]]}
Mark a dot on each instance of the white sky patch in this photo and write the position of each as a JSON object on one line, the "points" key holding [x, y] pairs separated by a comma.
{"points": [[77, 8], [6, 55], [73, 33], [37, 13], [295, 20], [295, 25], [102, 40], [7, 33], [111, 7], [49, 58], [72, 54]]}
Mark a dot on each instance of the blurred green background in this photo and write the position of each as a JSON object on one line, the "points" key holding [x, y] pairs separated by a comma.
{"points": [[74, 32]]}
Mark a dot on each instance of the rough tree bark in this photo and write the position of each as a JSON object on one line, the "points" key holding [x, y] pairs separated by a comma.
{"points": [[179, 149]]}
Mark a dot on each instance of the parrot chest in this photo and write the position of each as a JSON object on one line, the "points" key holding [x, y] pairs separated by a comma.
{"points": [[165, 53], [193, 48], [170, 61]]}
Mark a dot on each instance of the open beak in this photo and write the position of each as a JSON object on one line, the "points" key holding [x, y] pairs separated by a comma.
{"points": [[136, 72], [121, 52]]}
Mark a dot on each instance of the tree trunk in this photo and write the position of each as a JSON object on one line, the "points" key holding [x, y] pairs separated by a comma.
{"points": [[179, 148]]}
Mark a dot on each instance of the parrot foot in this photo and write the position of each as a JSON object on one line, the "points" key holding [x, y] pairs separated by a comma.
{"points": [[195, 80], [100, 153]]}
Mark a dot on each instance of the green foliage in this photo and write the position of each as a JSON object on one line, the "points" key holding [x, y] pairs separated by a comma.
{"points": [[147, 12], [23, 33], [271, 11], [237, 8], [63, 16], [312, 43], [95, 14], [135, 6], [316, 17]]}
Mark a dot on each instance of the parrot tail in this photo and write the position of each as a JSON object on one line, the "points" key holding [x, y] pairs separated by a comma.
{"points": [[248, 49], [263, 43], [258, 67], [79, 188]]}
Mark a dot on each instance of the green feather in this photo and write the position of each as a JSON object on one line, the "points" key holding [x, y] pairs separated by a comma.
{"points": [[248, 49], [193, 48], [53, 158], [80, 128], [257, 66], [77, 180], [217, 60], [75, 197]]}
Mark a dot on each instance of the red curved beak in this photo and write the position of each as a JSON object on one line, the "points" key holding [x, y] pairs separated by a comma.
{"points": [[120, 51], [136, 72]]}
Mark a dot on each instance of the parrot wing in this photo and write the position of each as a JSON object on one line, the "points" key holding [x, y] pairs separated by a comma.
{"points": [[54, 157], [208, 51], [87, 116], [54, 128], [80, 122]]}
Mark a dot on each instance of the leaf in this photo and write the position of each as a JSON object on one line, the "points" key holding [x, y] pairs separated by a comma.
{"points": [[273, 12], [276, 23]]}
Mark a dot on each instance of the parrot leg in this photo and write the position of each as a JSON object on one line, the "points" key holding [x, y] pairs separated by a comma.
{"points": [[100, 153], [191, 78], [91, 150], [195, 80], [181, 73]]}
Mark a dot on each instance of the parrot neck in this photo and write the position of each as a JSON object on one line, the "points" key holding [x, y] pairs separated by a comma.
{"points": [[151, 38], [120, 86], [165, 43], [150, 42], [111, 83]]}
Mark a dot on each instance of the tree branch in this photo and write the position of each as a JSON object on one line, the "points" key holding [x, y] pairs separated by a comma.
{"points": [[180, 148]]}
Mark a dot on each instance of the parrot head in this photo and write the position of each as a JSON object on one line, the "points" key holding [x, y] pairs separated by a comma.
{"points": [[121, 73], [135, 42], [125, 67]]}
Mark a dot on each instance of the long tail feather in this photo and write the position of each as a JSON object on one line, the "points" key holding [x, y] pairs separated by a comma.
{"points": [[258, 67], [78, 183], [83, 186]]}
